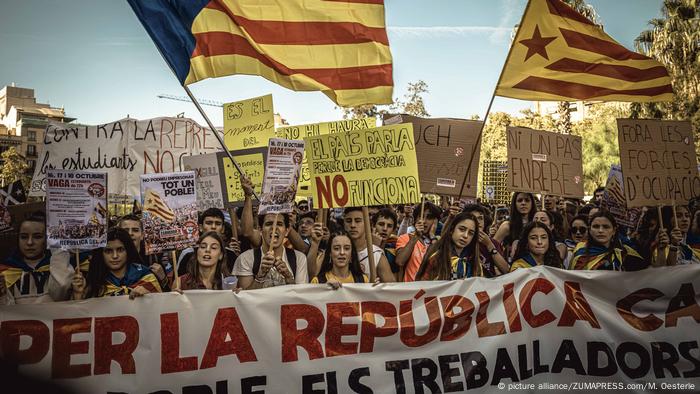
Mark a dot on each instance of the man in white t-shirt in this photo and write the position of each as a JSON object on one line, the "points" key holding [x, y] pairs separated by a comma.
{"points": [[354, 225], [271, 266]]}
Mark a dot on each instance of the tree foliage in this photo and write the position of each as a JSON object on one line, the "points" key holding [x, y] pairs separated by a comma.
{"points": [[14, 167], [674, 40], [413, 104], [599, 137]]}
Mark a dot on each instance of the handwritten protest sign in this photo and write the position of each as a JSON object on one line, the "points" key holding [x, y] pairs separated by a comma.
{"points": [[169, 211], [208, 180], [544, 162], [443, 147], [281, 176], [252, 163], [658, 161], [535, 330], [76, 204], [309, 130], [249, 123], [125, 149], [364, 167]]}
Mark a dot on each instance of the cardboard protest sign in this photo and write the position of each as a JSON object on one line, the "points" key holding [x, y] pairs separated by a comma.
{"points": [[252, 162], [76, 207], [125, 149], [169, 211], [281, 176], [309, 130], [443, 147], [207, 180], [544, 162], [249, 123], [364, 167], [658, 161]]}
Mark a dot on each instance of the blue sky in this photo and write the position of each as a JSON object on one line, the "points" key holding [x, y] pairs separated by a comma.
{"points": [[95, 59]]}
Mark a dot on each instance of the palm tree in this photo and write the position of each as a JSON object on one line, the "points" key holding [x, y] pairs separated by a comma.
{"points": [[674, 40]]}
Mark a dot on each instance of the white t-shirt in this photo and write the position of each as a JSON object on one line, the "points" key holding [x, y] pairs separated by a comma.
{"points": [[364, 261], [244, 267]]}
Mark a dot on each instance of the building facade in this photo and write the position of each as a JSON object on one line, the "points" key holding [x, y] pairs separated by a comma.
{"points": [[22, 123]]}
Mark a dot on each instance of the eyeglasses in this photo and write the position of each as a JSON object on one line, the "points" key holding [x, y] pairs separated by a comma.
{"points": [[579, 230]]}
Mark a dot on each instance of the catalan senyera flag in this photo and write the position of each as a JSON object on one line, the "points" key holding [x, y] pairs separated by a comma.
{"points": [[339, 47], [559, 55], [156, 206]]}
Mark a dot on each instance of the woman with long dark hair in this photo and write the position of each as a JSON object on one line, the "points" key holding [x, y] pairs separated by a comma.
{"points": [[208, 265], [114, 270], [536, 247], [340, 263], [453, 256], [683, 241], [522, 211], [603, 249]]}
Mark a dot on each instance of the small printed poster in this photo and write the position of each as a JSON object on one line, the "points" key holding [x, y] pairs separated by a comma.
{"points": [[284, 158], [169, 203], [76, 209]]}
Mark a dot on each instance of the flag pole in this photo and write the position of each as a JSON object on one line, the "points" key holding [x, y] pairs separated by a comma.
{"points": [[204, 115], [216, 133], [488, 109]]}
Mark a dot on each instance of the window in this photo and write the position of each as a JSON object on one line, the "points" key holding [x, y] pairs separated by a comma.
{"points": [[31, 150], [31, 135], [31, 164]]}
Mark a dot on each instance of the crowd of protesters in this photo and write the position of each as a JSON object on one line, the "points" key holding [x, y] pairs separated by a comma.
{"points": [[409, 243]]}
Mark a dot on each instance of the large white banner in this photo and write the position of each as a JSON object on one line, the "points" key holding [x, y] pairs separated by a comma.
{"points": [[125, 149], [539, 329]]}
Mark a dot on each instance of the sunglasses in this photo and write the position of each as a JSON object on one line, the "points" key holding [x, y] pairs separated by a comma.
{"points": [[579, 230]]}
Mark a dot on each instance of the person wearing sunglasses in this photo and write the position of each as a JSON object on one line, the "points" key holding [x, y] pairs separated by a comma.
{"points": [[578, 232]]}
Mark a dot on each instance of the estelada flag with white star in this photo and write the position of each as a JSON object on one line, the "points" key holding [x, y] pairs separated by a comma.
{"points": [[559, 55]]}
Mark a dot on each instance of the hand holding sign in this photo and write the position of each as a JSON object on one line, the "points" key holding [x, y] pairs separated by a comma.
{"points": [[78, 284], [281, 267], [266, 264]]}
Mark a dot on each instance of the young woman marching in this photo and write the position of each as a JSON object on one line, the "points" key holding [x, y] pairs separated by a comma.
{"points": [[536, 247], [453, 255], [340, 263], [114, 270], [522, 212], [602, 250], [207, 266]]}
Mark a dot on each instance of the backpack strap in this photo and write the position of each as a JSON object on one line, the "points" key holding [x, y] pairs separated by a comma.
{"points": [[257, 259], [292, 260]]}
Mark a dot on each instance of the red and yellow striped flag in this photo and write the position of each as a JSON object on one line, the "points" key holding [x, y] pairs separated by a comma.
{"points": [[339, 47], [559, 55], [155, 205]]}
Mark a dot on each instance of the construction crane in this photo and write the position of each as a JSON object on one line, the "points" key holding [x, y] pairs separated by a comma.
{"points": [[211, 103]]}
